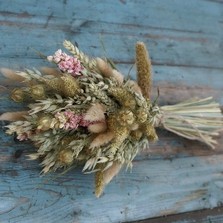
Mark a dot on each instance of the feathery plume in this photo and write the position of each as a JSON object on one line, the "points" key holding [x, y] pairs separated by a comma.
{"points": [[95, 113], [13, 116], [11, 74], [102, 178]]}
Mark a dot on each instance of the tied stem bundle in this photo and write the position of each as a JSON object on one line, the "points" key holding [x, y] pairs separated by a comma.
{"points": [[195, 119], [87, 113]]}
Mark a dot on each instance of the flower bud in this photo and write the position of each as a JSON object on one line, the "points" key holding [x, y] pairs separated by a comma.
{"points": [[125, 117], [65, 156], [141, 115], [44, 123], [17, 95], [136, 135], [37, 91]]}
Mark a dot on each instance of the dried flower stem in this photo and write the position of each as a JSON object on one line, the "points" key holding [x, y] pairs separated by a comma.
{"points": [[197, 119]]}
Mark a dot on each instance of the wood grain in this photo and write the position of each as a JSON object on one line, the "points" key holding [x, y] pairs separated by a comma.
{"points": [[185, 41], [154, 188]]}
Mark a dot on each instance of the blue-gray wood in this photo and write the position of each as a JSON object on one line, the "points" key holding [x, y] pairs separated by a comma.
{"points": [[185, 40]]}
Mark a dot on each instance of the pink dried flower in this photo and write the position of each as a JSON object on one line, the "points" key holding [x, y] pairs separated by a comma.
{"points": [[73, 122], [85, 123], [61, 119], [71, 65], [68, 114], [69, 120], [66, 63], [57, 57]]}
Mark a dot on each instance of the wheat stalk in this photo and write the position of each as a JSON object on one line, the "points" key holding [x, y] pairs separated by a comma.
{"points": [[88, 62]]}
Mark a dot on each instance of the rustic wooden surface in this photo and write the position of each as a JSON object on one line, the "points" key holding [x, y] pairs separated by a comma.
{"points": [[185, 39]]}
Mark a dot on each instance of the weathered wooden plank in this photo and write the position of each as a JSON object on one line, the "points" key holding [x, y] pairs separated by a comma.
{"points": [[192, 15], [165, 48], [154, 188], [172, 41]]}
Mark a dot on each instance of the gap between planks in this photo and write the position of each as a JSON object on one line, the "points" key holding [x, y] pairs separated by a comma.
{"points": [[214, 215]]}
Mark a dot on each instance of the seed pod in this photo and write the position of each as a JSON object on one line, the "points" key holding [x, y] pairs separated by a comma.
{"points": [[54, 84], [44, 123], [69, 86], [136, 135], [37, 92], [65, 156], [17, 95], [125, 117]]}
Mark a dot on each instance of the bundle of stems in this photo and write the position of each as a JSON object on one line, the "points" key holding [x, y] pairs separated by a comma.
{"points": [[87, 113], [195, 119]]}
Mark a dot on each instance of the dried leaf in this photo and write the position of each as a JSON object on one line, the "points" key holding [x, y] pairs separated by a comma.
{"points": [[33, 156], [89, 164]]}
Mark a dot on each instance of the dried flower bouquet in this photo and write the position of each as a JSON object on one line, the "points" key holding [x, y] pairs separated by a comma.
{"points": [[87, 113]]}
